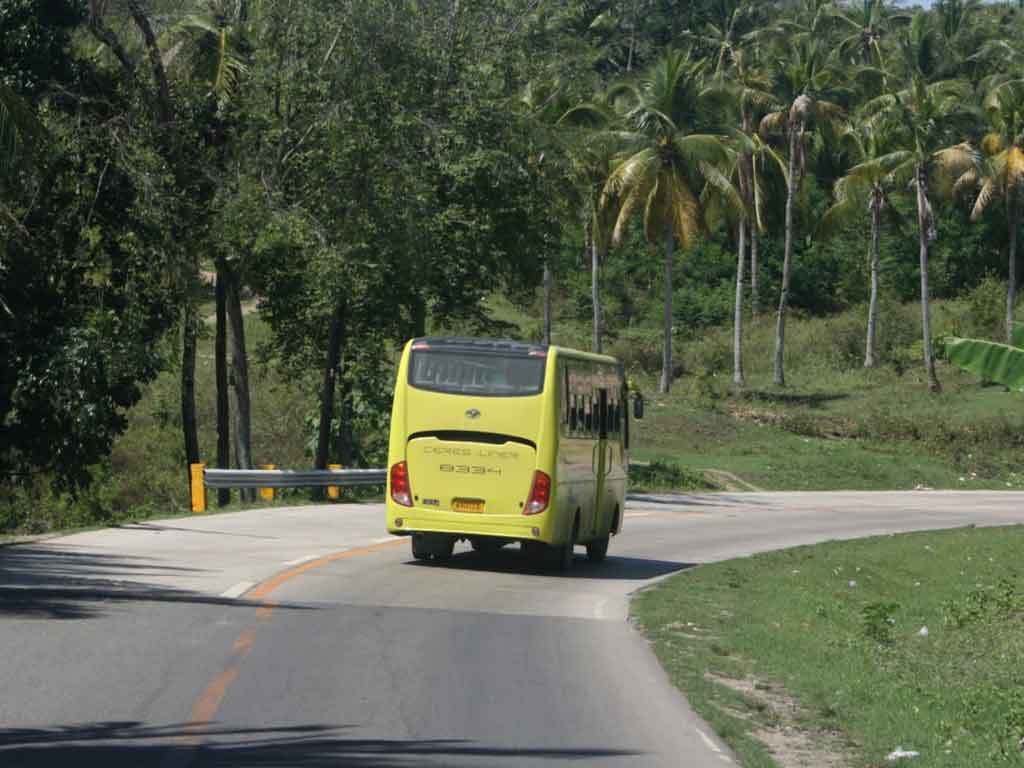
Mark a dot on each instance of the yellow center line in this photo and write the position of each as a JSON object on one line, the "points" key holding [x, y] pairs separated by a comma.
{"points": [[205, 708]]}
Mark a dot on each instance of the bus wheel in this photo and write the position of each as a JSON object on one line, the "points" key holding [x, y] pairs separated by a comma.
{"points": [[566, 553], [421, 549], [485, 545], [534, 550], [443, 547], [597, 550]]}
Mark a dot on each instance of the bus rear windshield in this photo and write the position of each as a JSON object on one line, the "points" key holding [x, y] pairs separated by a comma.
{"points": [[474, 373]]}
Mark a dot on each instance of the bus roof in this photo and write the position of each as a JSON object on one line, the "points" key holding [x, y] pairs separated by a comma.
{"points": [[508, 346]]}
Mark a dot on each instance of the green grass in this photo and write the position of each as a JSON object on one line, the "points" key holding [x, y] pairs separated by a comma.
{"points": [[872, 432], [837, 629]]}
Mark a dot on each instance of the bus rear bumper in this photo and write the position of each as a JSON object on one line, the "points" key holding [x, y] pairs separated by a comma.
{"points": [[515, 527]]}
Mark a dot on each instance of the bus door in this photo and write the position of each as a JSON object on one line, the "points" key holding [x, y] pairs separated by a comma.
{"points": [[601, 464]]}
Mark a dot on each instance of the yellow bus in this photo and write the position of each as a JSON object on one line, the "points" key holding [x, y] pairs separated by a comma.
{"points": [[497, 442]]}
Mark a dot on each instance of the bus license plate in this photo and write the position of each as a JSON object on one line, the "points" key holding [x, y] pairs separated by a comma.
{"points": [[468, 505]]}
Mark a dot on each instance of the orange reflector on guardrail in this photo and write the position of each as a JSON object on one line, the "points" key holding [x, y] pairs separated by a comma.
{"points": [[334, 491], [198, 488], [267, 494]]}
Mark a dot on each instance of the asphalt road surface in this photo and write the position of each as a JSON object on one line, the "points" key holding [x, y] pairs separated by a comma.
{"points": [[307, 637]]}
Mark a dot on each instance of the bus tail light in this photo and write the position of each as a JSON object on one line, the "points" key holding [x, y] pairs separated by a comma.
{"points": [[540, 494], [401, 493]]}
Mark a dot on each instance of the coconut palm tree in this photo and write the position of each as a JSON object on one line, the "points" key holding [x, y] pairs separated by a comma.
{"points": [[865, 26], [745, 91], [209, 46], [867, 186], [667, 166], [922, 115], [1001, 175], [593, 151], [805, 80]]}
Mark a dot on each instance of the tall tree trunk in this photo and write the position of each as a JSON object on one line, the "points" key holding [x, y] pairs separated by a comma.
{"points": [[870, 354], [189, 331], [737, 328], [419, 316], [755, 301], [746, 184], [632, 36], [221, 365], [595, 294], [1013, 219], [548, 279], [779, 374], [924, 224], [240, 368], [666, 353], [345, 448], [327, 390], [165, 110]]}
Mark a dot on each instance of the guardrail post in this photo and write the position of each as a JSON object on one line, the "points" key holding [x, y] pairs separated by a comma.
{"points": [[333, 491], [198, 488], [267, 494]]}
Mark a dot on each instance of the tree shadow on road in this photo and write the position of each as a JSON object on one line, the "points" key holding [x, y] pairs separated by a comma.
{"points": [[39, 582], [513, 560], [133, 744]]}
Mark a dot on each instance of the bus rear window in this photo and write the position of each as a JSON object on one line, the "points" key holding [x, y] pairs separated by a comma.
{"points": [[471, 373]]}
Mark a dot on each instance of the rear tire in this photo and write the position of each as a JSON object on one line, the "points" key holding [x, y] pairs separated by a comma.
{"points": [[432, 546], [597, 550], [486, 545], [420, 547], [534, 551], [444, 546]]}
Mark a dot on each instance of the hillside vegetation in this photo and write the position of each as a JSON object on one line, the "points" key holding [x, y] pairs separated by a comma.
{"points": [[837, 426]]}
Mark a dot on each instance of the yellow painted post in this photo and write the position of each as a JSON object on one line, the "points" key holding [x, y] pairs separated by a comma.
{"points": [[198, 488], [333, 491], [267, 494]]}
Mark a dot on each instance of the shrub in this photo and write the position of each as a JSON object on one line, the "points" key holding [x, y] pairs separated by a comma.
{"points": [[666, 476]]}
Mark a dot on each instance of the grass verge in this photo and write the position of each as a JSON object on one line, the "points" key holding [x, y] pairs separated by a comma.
{"points": [[821, 654]]}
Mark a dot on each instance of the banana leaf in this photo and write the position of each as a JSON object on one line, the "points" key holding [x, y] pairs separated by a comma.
{"points": [[998, 363]]}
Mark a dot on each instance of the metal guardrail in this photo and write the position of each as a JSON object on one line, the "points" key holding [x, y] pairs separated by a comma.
{"points": [[291, 478], [267, 479]]}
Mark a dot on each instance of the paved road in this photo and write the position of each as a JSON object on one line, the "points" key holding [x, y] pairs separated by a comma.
{"points": [[305, 637]]}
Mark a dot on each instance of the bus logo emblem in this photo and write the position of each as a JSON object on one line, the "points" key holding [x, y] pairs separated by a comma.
{"points": [[473, 413]]}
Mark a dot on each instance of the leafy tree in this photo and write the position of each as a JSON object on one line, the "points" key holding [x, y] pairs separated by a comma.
{"points": [[90, 265]]}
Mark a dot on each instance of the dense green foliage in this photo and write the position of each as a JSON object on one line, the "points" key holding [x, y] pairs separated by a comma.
{"points": [[374, 170]]}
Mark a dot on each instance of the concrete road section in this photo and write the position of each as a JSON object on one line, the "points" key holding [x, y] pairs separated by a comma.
{"points": [[307, 637]]}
